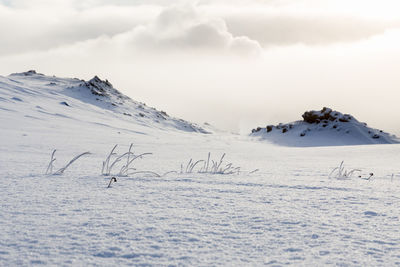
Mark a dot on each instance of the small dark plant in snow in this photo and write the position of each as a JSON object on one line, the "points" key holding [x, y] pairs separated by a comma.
{"points": [[366, 178], [61, 171], [341, 173], [128, 158], [113, 179]]}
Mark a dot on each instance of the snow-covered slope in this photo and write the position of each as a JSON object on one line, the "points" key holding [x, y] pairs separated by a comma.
{"points": [[289, 212], [39, 97], [324, 128]]}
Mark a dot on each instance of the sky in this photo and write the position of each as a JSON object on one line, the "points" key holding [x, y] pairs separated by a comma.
{"points": [[236, 64]]}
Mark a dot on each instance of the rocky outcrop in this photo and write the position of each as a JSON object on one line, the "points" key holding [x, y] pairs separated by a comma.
{"points": [[325, 126], [325, 115], [99, 87]]}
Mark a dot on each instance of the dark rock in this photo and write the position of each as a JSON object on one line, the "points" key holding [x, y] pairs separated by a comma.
{"points": [[65, 104], [325, 115], [30, 72], [269, 128], [316, 116], [284, 130], [102, 88], [27, 73]]}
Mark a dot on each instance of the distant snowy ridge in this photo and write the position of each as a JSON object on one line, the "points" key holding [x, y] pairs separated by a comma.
{"points": [[83, 97], [326, 127]]}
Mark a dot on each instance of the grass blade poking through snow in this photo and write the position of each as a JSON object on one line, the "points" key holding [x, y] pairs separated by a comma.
{"points": [[61, 171], [109, 164], [106, 170], [146, 172], [49, 169], [210, 166], [341, 173], [125, 169]]}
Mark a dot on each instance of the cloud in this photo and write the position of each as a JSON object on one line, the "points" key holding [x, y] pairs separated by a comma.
{"points": [[185, 28], [25, 29], [136, 27], [229, 26], [280, 28]]}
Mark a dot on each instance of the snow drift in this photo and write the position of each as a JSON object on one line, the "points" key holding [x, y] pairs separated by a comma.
{"points": [[324, 128]]}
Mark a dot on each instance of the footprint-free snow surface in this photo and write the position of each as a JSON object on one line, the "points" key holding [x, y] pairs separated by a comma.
{"points": [[326, 127], [290, 211]]}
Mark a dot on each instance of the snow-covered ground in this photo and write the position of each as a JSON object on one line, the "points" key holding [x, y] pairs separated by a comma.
{"points": [[288, 212]]}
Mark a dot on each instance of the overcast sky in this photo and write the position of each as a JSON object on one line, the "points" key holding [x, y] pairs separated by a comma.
{"points": [[237, 64]]}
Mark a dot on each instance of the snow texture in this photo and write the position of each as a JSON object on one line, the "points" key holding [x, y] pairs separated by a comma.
{"points": [[324, 128], [290, 212]]}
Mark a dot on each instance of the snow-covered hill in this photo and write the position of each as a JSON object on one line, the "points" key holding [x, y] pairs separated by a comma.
{"points": [[39, 97], [324, 128]]}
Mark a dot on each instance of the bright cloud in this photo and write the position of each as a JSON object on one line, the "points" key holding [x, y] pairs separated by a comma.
{"points": [[43, 24], [184, 27]]}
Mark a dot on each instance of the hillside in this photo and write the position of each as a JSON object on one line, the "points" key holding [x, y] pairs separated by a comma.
{"points": [[34, 98]]}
